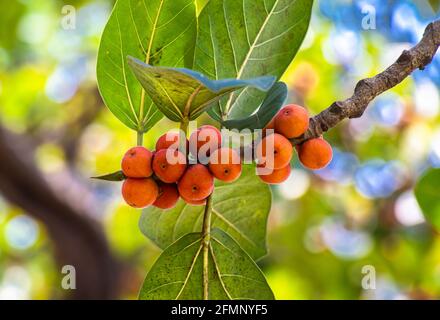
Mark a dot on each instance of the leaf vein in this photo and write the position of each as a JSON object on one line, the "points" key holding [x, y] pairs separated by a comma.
{"points": [[251, 49], [217, 270], [135, 26], [280, 35], [240, 276], [161, 286], [190, 271], [175, 16], [233, 227], [174, 40], [124, 72], [230, 38], [245, 24]]}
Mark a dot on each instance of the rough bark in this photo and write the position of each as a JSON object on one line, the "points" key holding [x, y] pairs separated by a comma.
{"points": [[366, 90]]}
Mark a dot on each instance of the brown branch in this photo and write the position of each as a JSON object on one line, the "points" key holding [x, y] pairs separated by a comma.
{"points": [[78, 240], [367, 89], [68, 135]]}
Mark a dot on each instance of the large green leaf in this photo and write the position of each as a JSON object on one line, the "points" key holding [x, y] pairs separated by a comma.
{"points": [[178, 273], [428, 196], [245, 39], [271, 105], [159, 32], [185, 94], [240, 209]]}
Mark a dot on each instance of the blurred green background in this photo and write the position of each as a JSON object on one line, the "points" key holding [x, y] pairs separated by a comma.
{"points": [[324, 227]]}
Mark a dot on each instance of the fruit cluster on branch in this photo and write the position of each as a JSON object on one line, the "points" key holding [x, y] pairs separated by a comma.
{"points": [[179, 168], [273, 161], [367, 89], [161, 177]]}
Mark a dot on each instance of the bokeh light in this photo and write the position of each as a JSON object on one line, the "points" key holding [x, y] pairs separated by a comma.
{"points": [[387, 110], [344, 242], [15, 284], [21, 232], [407, 210], [296, 185], [378, 179], [427, 100], [341, 169]]}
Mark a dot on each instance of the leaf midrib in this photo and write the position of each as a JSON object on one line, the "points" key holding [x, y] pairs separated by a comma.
{"points": [[176, 108], [147, 60], [194, 261], [248, 55]]}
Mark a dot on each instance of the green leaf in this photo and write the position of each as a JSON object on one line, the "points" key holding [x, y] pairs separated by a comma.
{"points": [[245, 39], [435, 5], [182, 93], [200, 4], [428, 196], [178, 273], [270, 106], [159, 32], [240, 209], [115, 176]]}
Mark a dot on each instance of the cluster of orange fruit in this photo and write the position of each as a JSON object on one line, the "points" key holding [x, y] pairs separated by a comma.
{"points": [[292, 121], [161, 177]]}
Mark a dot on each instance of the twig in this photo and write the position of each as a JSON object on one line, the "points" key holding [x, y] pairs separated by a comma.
{"points": [[206, 234], [366, 90], [140, 138]]}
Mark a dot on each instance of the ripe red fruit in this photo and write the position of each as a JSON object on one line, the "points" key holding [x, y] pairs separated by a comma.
{"points": [[169, 139], [204, 141], [315, 153], [269, 126], [292, 121], [197, 183], [195, 202], [136, 163], [274, 151], [168, 196], [225, 164], [169, 165], [140, 193], [277, 175]]}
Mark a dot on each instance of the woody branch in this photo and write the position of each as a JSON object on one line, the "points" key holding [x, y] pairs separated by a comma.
{"points": [[418, 57]]}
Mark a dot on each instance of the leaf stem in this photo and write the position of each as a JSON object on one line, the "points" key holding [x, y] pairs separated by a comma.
{"points": [[184, 125], [206, 234], [183, 134], [140, 138], [191, 99]]}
